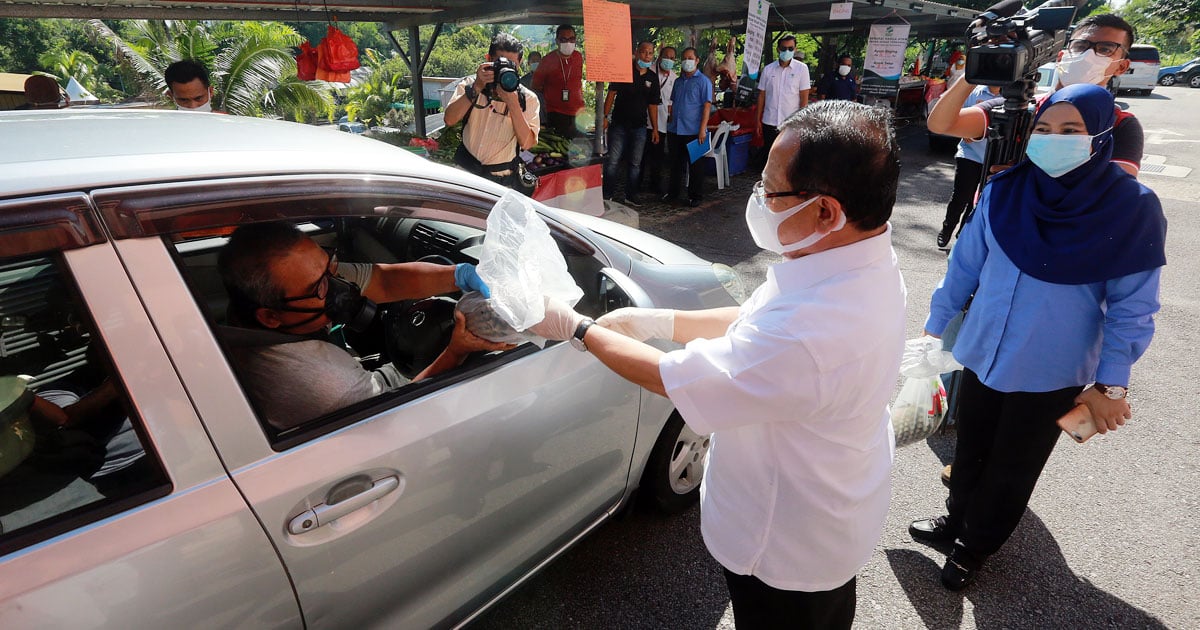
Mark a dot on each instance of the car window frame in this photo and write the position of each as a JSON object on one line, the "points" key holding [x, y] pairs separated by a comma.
{"points": [[208, 206], [45, 227]]}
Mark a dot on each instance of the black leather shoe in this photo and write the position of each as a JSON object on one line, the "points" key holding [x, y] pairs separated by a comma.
{"points": [[693, 202], [933, 530], [667, 198], [943, 238], [960, 569], [632, 202]]}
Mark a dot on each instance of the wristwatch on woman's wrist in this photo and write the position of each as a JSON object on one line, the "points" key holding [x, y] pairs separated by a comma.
{"points": [[580, 331], [1112, 392]]}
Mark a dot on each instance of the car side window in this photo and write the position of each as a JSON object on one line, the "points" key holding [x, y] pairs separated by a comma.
{"points": [[302, 386], [72, 451]]}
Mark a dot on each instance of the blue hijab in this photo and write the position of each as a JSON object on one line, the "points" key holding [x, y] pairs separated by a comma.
{"points": [[1092, 224]]}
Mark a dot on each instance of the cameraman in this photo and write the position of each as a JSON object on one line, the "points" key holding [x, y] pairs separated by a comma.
{"points": [[1097, 50], [498, 121]]}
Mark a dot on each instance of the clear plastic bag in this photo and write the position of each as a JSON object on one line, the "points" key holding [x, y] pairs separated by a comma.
{"points": [[521, 263], [920, 408], [484, 321]]}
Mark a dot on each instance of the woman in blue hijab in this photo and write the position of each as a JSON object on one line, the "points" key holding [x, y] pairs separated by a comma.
{"points": [[1062, 259]]}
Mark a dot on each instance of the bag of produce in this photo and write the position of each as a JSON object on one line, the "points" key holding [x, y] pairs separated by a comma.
{"points": [[920, 408]]}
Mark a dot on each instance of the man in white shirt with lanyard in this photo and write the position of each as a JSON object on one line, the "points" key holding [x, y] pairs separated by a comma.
{"points": [[782, 89], [794, 384]]}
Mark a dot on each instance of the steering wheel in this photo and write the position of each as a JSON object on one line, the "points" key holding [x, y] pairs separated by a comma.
{"points": [[415, 333], [436, 258]]}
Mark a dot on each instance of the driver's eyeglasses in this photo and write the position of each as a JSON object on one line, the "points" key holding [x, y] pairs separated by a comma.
{"points": [[321, 287], [1103, 49]]}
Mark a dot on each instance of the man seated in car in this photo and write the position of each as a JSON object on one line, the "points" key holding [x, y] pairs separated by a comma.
{"points": [[292, 292]]}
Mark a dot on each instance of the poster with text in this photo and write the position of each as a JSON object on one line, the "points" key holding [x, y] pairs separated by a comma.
{"points": [[609, 41], [756, 30], [885, 60]]}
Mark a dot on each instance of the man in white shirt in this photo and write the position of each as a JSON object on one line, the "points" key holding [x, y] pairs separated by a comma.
{"points": [[794, 384], [654, 160], [782, 89]]}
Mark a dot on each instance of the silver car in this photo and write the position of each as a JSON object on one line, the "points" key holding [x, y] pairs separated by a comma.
{"points": [[141, 488]]}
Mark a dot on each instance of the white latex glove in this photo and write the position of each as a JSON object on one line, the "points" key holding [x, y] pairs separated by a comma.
{"points": [[560, 322], [641, 323]]}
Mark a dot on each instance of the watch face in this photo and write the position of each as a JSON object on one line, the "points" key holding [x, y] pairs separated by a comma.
{"points": [[1114, 392], [578, 344]]}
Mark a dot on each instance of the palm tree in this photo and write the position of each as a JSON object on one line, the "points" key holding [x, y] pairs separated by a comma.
{"points": [[64, 64], [250, 63], [371, 100]]}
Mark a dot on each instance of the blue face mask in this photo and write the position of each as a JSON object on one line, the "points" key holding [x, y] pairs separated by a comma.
{"points": [[666, 64], [644, 64], [689, 65], [1059, 154], [786, 55]]}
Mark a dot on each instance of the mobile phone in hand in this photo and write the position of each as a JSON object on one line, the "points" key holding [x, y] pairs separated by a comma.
{"points": [[1078, 423]]}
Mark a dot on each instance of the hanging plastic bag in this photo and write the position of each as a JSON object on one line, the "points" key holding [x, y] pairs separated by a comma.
{"points": [[325, 74], [920, 408], [521, 263], [306, 62], [338, 51]]}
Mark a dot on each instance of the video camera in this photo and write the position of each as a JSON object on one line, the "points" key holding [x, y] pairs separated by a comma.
{"points": [[1008, 49], [504, 76]]}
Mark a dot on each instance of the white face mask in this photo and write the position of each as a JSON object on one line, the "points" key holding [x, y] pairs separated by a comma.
{"points": [[206, 107], [566, 48], [533, 66], [843, 70], [1086, 68], [764, 226], [689, 65]]}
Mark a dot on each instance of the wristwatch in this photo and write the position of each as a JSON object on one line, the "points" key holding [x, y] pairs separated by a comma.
{"points": [[580, 331], [1113, 392]]}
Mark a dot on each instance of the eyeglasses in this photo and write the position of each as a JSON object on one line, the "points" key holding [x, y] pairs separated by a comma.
{"points": [[1103, 49], [788, 48], [566, 40], [761, 195], [321, 287]]}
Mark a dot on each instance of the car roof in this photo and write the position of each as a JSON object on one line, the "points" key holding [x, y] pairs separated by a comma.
{"points": [[83, 149]]}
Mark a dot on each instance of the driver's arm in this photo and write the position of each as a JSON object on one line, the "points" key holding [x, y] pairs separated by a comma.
{"points": [[948, 117], [409, 281]]}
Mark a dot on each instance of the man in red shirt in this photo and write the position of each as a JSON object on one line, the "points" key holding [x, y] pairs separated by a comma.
{"points": [[559, 80]]}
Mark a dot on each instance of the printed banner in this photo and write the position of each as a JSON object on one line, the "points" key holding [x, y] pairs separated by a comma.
{"points": [[841, 10], [609, 41], [885, 60], [756, 31]]}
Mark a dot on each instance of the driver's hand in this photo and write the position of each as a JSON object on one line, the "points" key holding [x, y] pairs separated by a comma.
{"points": [[467, 280], [464, 342]]}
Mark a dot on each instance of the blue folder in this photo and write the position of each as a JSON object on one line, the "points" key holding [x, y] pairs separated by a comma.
{"points": [[697, 150]]}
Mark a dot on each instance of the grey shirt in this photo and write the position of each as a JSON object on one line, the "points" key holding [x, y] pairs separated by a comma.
{"points": [[292, 383]]}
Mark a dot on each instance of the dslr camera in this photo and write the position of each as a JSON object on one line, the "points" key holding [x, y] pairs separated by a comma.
{"points": [[504, 76], [1005, 50]]}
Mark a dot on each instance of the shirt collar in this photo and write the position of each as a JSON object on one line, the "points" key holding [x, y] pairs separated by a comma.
{"points": [[808, 271]]}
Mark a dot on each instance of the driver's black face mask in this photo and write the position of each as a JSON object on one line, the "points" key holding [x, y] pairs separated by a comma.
{"points": [[344, 304]]}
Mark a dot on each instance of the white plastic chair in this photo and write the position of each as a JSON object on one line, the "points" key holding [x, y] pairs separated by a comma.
{"points": [[718, 153]]}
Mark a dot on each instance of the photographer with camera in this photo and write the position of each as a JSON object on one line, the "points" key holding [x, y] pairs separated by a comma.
{"points": [[501, 117], [1097, 49]]}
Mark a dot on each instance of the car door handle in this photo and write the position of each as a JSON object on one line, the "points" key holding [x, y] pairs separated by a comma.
{"points": [[326, 513]]}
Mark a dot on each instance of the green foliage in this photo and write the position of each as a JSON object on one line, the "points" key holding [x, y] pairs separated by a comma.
{"points": [[372, 99], [1168, 24], [250, 63]]}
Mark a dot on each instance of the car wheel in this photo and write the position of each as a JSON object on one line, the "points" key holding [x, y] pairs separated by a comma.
{"points": [[671, 482], [1167, 79], [1194, 81]]}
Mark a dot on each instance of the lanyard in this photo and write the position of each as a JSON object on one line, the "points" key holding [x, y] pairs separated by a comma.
{"points": [[566, 69]]}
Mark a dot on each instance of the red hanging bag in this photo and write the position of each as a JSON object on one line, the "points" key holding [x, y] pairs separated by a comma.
{"points": [[338, 51], [306, 62]]}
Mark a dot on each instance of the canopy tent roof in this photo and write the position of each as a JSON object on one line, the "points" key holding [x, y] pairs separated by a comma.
{"points": [[928, 19]]}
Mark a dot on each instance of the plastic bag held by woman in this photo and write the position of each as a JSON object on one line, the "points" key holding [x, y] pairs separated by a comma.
{"points": [[921, 406]]}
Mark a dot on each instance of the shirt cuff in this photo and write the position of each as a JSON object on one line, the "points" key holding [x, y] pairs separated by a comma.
{"points": [[936, 325], [1113, 374]]}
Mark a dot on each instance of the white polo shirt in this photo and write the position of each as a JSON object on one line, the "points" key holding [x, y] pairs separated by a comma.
{"points": [[665, 85], [796, 395], [783, 87]]}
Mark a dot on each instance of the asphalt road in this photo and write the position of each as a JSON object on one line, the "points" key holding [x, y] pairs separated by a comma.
{"points": [[1112, 535]]}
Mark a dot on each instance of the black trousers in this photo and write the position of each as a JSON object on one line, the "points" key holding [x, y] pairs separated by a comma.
{"points": [[770, 133], [655, 168], [759, 606], [966, 182], [562, 124], [1004, 441], [681, 162]]}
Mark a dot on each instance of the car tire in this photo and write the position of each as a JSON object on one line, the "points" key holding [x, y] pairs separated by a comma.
{"points": [[1167, 80], [671, 481], [1194, 80]]}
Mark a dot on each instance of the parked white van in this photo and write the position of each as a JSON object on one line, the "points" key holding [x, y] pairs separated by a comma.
{"points": [[1142, 75]]}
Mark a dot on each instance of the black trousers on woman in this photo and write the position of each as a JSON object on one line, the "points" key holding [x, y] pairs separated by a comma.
{"points": [[966, 181], [1004, 440]]}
